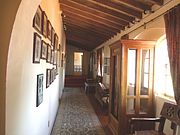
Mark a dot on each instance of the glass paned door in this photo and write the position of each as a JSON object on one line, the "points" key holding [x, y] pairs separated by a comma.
{"points": [[115, 88]]}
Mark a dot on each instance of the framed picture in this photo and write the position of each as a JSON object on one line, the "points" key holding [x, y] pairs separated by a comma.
{"points": [[39, 99], [48, 77], [44, 50], [56, 70], [44, 24], [55, 58], [52, 57], [49, 30], [48, 60], [36, 48], [52, 76], [56, 42], [37, 21], [52, 38]]}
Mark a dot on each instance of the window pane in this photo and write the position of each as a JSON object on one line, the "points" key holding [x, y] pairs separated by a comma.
{"points": [[130, 106], [131, 72], [143, 105], [145, 72]]}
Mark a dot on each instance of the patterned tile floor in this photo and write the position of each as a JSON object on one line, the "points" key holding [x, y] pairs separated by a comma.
{"points": [[76, 115]]}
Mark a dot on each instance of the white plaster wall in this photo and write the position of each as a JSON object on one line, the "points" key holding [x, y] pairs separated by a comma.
{"points": [[22, 115]]}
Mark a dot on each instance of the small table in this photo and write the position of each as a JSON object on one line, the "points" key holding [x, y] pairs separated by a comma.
{"points": [[88, 85]]}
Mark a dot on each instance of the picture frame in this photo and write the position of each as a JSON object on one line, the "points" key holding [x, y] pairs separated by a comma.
{"points": [[48, 77], [52, 57], [52, 76], [56, 42], [44, 51], [44, 24], [48, 60], [49, 30], [52, 38], [36, 48], [39, 97], [55, 58], [37, 20]]}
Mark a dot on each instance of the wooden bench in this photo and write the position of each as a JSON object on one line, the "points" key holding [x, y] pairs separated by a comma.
{"points": [[169, 111], [102, 94], [89, 83]]}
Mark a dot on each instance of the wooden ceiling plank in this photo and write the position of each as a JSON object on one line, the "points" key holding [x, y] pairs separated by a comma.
{"points": [[84, 36], [92, 16], [85, 32], [103, 9], [89, 26], [79, 45], [123, 9], [92, 31], [99, 33], [91, 23], [95, 12], [95, 21], [135, 4], [158, 2]]}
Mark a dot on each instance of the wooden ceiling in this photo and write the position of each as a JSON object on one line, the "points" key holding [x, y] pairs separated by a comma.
{"points": [[89, 23]]}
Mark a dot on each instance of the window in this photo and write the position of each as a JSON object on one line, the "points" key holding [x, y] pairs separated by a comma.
{"points": [[163, 80]]}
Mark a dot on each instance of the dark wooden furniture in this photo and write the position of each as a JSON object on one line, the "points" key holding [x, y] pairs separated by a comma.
{"points": [[102, 94], [131, 83], [91, 83], [169, 111]]}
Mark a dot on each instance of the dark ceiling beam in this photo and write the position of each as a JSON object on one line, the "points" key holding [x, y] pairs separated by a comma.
{"points": [[120, 8], [91, 24], [84, 41], [104, 9], [88, 26], [158, 2], [78, 45], [91, 31], [94, 11], [135, 4], [81, 40], [85, 36], [92, 21], [91, 16], [85, 32]]}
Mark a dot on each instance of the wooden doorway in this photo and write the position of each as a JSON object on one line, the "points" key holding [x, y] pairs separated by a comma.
{"points": [[131, 85], [78, 60]]}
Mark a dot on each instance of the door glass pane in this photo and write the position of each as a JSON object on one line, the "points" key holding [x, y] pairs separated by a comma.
{"points": [[143, 105], [145, 72], [130, 106], [131, 72], [115, 88]]}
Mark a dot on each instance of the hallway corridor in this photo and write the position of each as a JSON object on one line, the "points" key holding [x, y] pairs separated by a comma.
{"points": [[76, 115]]}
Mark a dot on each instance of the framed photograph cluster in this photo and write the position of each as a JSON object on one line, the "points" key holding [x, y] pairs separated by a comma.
{"points": [[43, 25], [50, 76], [39, 97], [42, 49]]}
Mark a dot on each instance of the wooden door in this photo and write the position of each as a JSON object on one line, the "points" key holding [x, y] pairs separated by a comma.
{"points": [[115, 77], [137, 82]]}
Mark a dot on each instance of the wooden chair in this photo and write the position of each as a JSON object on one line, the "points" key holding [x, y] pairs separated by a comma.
{"points": [[91, 83], [169, 111]]}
